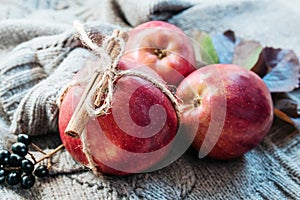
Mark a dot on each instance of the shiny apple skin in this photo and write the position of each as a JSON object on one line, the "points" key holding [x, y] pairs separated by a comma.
{"points": [[176, 59], [114, 150], [248, 109]]}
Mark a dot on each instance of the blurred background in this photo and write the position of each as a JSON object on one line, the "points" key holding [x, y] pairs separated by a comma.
{"points": [[272, 22]]}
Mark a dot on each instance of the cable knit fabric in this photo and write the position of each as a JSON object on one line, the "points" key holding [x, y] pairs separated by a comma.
{"points": [[40, 53]]}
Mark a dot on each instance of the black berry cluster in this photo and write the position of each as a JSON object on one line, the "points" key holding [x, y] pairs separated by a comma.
{"points": [[15, 168]]}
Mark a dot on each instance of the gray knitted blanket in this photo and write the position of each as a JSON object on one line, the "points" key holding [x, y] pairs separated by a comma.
{"points": [[39, 56]]}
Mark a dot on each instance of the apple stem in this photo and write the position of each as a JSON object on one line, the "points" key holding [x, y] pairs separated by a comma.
{"points": [[160, 53], [197, 101]]}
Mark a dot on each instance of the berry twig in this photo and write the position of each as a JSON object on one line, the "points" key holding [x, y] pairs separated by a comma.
{"points": [[49, 155], [15, 168], [32, 157], [35, 147]]}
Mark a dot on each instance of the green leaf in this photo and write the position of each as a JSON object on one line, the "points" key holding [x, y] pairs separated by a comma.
{"points": [[204, 48], [246, 54]]}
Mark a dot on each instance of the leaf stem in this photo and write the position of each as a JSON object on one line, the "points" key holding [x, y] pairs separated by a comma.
{"points": [[281, 115]]}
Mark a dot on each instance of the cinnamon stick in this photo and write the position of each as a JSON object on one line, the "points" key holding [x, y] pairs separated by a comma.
{"points": [[80, 116]]}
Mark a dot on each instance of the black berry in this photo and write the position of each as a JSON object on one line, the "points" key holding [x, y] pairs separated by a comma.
{"points": [[27, 181], [15, 160], [20, 148], [41, 171], [27, 166], [13, 178], [2, 175], [4, 157], [24, 139]]}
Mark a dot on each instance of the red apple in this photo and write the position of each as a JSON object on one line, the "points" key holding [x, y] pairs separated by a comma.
{"points": [[133, 137], [163, 47], [227, 107]]}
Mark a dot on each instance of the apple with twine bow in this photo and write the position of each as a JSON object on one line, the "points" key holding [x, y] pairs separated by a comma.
{"points": [[132, 137], [122, 121]]}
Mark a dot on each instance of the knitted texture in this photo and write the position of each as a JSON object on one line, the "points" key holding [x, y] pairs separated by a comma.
{"points": [[39, 57]]}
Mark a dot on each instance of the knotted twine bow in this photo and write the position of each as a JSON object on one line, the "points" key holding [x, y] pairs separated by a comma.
{"points": [[97, 97], [100, 81]]}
